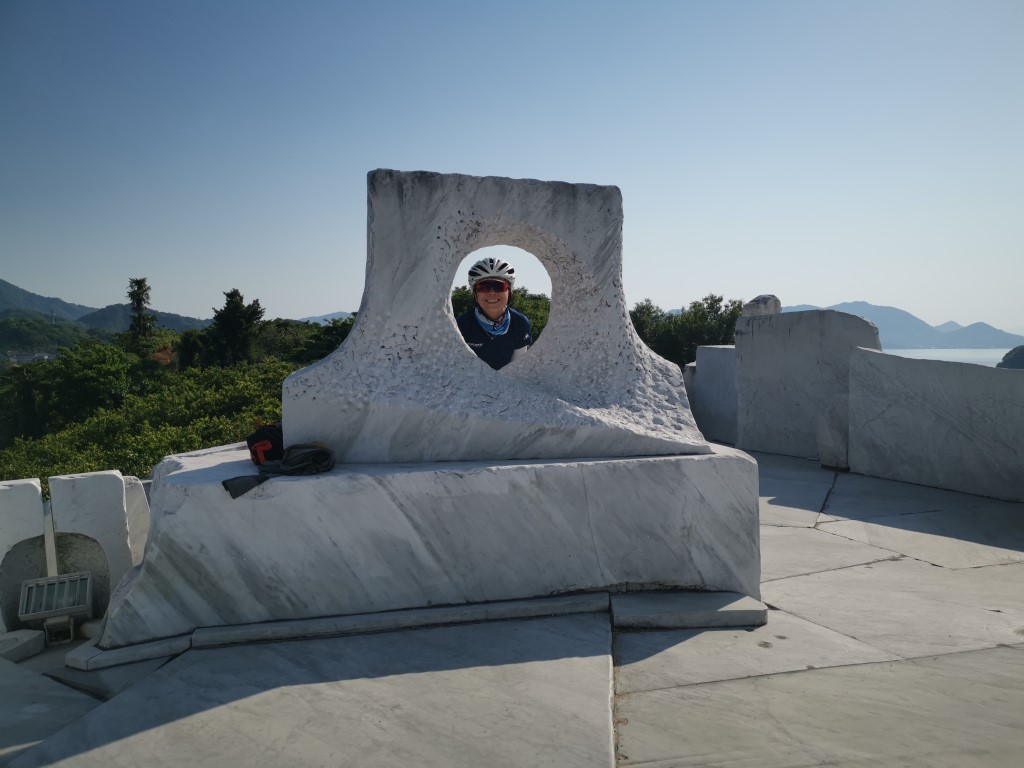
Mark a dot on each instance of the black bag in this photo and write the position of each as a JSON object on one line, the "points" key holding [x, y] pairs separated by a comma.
{"points": [[266, 444]]}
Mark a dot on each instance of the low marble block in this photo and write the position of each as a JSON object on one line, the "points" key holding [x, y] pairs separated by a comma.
{"points": [[948, 425], [686, 610], [21, 517], [331, 626], [21, 644], [93, 504], [88, 656], [371, 538]]}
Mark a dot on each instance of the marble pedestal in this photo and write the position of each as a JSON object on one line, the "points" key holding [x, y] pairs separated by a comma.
{"points": [[371, 538]]}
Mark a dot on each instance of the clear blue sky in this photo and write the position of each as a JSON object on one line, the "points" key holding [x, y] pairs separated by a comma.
{"points": [[823, 151]]}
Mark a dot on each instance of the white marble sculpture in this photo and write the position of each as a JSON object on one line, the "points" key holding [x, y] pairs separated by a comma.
{"points": [[577, 468], [405, 387]]}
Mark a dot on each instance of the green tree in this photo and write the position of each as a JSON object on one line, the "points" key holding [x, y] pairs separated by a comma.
{"points": [[324, 340], [707, 322], [138, 298], [233, 330], [1013, 359], [712, 320]]}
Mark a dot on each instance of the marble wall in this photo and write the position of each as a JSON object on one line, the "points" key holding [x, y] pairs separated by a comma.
{"points": [[792, 375], [713, 393], [947, 425]]}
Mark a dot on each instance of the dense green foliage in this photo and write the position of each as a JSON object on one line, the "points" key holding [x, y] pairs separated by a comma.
{"points": [[151, 392], [1013, 359], [24, 331], [712, 320], [196, 409]]}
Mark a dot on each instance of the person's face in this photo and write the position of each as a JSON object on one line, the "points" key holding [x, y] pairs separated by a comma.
{"points": [[491, 297]]}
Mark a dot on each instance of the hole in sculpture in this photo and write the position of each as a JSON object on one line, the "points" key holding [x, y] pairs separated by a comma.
{"points": [[532, 292]]}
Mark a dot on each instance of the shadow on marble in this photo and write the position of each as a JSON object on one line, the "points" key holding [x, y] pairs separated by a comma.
{"points": [[496, 694], [991, 534], [858, 497], [647, 661], [910, 608], [33, 707], [954, 711], [792, 503], [788, 551], [792, 491], [777, 467]]}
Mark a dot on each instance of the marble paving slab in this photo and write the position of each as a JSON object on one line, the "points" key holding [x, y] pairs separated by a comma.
{"points": [[857, 497], [908, 607], [647, 661], [960, 538], [33, 707], [514, 693], [107, 683], [788, 551], [794, 503], [954, 711], [777, 467]]}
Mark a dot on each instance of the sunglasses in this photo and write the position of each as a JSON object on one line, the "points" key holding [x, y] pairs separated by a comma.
{"points": [[492, 286]]}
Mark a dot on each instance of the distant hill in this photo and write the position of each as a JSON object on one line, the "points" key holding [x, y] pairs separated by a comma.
{"points": [[948, 326], [117, 318], [325, 319], [23, 331], [898, 329], [13, 297]]}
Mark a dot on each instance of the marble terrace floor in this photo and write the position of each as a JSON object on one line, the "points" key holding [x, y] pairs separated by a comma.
{"points": [[895, 637]]}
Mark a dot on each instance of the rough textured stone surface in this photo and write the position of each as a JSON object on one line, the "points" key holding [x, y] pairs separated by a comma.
{"points": [[93, 504], [948, 425], [792, 375], [21, 517], [714, 390], [405, 387], [369, 538]]}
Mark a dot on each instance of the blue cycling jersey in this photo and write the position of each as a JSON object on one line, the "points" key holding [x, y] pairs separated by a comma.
{"points": [[496, 349]]}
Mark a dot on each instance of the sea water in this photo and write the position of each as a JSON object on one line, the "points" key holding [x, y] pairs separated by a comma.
{"points": [[987, 357]]}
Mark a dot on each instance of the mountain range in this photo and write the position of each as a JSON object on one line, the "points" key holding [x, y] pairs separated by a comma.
{"points": [[897, 328]]}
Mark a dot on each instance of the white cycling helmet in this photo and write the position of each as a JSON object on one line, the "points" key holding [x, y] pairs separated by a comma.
{"points": [[492, 269]]}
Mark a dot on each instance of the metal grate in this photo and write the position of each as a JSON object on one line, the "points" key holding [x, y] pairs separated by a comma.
{"points": [[69, 594]]}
